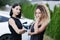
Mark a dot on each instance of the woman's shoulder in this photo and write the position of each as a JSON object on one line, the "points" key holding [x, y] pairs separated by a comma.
{"points": [[10, 20]]}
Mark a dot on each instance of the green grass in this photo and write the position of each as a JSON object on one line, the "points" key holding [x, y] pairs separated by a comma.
{"points": [[46, 37]]}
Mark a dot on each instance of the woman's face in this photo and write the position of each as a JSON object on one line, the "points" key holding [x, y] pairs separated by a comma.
{"points": [[38, 13], [16, 10]]}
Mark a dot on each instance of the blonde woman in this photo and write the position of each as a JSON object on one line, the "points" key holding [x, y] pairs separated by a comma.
{"points": [[42, 19]]}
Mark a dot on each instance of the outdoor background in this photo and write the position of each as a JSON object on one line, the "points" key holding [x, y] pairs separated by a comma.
{"points": [[28, 7]]}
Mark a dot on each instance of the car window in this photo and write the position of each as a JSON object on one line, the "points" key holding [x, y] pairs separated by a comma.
{"points": [[3, 19]]}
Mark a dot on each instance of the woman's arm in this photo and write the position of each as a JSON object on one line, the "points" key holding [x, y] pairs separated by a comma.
{"points": [[14, 26], [43, 26], [35, 29], [39, 30]]}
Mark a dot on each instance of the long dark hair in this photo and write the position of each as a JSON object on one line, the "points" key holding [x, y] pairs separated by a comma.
{"points": [[11, 12]]}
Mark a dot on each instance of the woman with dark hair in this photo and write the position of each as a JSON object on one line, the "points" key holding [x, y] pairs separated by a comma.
{"points": [[15, 25], [42, 19]]}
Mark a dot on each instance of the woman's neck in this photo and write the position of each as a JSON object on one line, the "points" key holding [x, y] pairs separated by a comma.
{"points": [[14, 16]]}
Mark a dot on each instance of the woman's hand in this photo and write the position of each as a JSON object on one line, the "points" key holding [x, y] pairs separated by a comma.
{"points": [[23, 31], [30, 33], [37, 20]]}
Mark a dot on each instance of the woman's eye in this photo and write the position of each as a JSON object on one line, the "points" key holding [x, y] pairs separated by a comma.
{"points": [[20, 9], [16, 8]]}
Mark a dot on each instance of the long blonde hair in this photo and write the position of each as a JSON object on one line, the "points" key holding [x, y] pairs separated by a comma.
{"points": [[45, 13]]}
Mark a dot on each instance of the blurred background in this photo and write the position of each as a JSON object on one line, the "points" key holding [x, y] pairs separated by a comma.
{"points": [[28, 7]]}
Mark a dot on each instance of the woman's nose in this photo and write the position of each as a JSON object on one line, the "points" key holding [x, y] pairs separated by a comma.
{"points": [[18, 10], [37, 14]]}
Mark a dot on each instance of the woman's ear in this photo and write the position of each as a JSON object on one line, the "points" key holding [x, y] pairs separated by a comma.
{"points": [[12, 9]]}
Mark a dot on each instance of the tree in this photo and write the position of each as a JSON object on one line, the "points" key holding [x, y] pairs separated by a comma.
{"points": [[4, 2]]}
